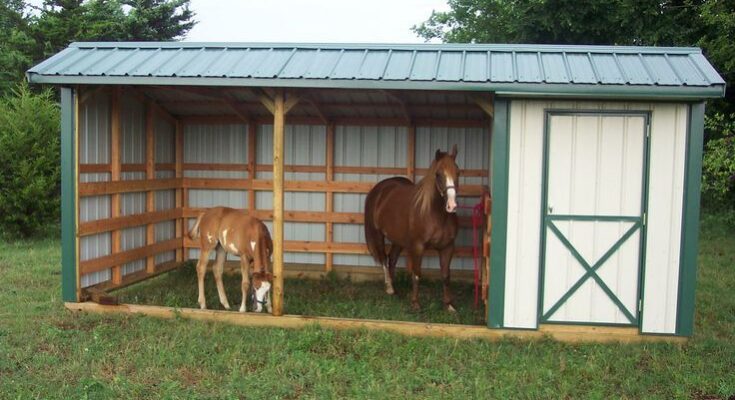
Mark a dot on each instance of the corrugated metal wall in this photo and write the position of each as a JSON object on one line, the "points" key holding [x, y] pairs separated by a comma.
{"points": [[359, 146], [94, 148]]}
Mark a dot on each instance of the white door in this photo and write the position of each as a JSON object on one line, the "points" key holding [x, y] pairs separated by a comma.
{"points": [[593, 217]]}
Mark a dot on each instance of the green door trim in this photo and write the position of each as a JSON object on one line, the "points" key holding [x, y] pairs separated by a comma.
{"points": [[639, 221], [68, 193], [591, 271], [499, 230]]}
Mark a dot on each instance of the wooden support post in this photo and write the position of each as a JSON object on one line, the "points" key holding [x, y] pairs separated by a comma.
{"points": [[411, 153], [179, 139], [330, 195], [150, 174], [115, 166], [252, 162], [279, 120]]}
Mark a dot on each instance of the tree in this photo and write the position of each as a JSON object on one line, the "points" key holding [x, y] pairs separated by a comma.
{"points": [[709, 24], [16, 45], [63, 21]]}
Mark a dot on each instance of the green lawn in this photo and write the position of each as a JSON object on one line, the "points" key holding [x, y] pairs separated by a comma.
{"points": [[332, 296], [48, 352]]}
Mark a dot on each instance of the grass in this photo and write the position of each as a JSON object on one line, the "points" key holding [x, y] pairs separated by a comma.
{"points": [[332, 296], [48, 352]]}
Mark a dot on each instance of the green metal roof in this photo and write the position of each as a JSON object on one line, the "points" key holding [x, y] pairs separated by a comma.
{"points": [[588, 71]]}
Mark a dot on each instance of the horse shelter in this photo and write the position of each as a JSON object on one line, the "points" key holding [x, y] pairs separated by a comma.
{"points": [[591, 154]]}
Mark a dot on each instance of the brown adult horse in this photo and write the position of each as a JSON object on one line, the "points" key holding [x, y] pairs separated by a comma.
{"points": [[415, 217]]}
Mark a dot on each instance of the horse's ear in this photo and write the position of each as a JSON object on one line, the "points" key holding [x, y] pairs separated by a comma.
{"points": [[453, 154], [438, 154]]}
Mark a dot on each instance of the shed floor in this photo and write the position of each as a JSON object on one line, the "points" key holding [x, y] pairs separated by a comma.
{"points": [[331, 296]]}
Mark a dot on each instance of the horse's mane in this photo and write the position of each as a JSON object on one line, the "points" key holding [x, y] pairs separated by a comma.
{"points": [[425, 190]]}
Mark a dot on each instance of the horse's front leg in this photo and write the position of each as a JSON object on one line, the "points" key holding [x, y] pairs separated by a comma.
{"points": [[445, 258], [414, 266]]}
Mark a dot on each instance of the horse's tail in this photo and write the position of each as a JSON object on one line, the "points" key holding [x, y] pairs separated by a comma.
{"points": [[374, 238], [194, 231]]}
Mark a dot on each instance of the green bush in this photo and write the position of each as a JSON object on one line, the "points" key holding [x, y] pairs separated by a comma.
{"points": [[718, 165], [29, 163]]}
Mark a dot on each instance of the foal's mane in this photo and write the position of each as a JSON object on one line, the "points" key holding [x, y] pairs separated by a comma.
{"points": [[425, 190]]}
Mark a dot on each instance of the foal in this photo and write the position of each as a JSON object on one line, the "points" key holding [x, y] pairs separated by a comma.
{"points": [[227, 230]]}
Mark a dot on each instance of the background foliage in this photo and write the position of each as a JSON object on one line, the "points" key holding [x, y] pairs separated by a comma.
{"points": [[709, 24], [29, 121], [29, 156]]}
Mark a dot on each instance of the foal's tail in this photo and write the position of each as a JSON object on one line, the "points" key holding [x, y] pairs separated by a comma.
{"points": [[194, 231], [374, 238]]}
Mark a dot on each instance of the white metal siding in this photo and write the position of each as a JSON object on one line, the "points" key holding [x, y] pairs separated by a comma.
{"points": [[665, 204], [667, 159]]}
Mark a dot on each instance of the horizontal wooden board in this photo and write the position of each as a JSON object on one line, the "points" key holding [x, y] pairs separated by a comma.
{"points": [[142, 185], [303, 246], [128, 221], [101, 263], [229, 119], [568, 334]]}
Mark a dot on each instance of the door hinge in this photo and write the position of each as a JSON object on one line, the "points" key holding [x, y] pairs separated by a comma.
{"points": [[645, 218], [640, 305]]}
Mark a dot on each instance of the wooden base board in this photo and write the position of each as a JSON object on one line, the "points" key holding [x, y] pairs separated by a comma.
{"points": [[566, 333]]}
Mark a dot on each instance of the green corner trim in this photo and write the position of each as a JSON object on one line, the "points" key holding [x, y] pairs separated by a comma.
{"points": [[499, 189], [68, 242], [690, 222]]}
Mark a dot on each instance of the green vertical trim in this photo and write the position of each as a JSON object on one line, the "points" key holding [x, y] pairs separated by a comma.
{"points": [[690, 222], [68, 242], [499, 188]]}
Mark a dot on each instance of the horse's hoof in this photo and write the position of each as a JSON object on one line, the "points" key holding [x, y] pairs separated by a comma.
{"points": [[390, 290], [451, 309], [202, 306], [227, 307], [242, 309]]}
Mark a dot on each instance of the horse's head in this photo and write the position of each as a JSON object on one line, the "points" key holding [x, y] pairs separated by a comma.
{"points": [[447, 177], [261, 291]]}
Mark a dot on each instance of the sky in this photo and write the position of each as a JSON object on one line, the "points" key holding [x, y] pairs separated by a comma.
{"points": [[334, 21]]}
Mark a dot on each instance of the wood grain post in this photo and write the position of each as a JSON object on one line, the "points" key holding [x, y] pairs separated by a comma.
{"points": [[115, 166], [330, 195], [150, 174], [179, 168], [411, 153], [252, 162], [279, 119]]}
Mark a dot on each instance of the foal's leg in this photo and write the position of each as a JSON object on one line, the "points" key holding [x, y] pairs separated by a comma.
{"points": [[445, 258], [245, 271], [219, 266], [390, 271], [201, 271], [415, 268]]}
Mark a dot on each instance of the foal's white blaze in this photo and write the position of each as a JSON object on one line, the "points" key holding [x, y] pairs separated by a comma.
{"points": [[252, 244], [261, 295], [451, 195]]}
